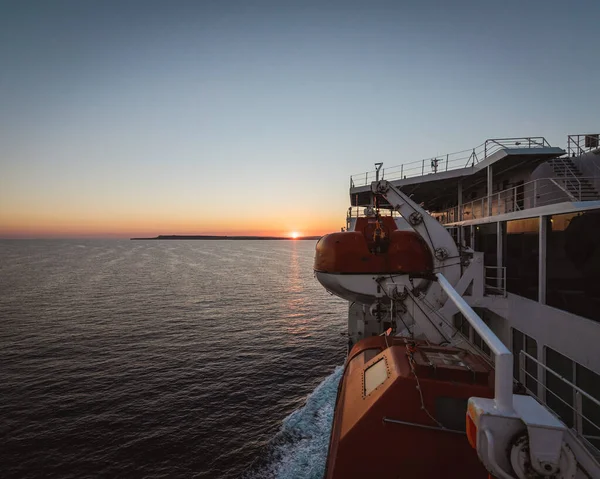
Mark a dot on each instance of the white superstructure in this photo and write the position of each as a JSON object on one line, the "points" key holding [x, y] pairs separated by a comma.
{"points": [[525, 217]]}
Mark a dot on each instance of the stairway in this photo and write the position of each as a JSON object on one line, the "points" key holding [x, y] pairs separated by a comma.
{"points": [[566, 170]]}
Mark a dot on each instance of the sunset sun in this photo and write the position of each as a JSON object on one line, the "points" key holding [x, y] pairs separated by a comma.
{"points": [[294, 234]]}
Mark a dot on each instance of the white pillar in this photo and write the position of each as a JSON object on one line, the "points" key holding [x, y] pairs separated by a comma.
{"points": [[543, 233], [499, 249], [489, 190], [460, 201]]}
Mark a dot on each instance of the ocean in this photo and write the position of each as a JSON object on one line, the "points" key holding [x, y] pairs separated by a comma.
{"points": [[204, 359]]}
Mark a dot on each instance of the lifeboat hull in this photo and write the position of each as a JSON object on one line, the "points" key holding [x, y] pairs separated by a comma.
{"points": [[364, 288], [354, 266], [403, 252]]}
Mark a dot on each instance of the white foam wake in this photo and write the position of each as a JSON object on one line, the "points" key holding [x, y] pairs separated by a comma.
{"points": [[299, 450]]}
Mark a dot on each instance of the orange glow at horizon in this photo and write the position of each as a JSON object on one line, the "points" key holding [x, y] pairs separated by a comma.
{"points": [[125, 225]]}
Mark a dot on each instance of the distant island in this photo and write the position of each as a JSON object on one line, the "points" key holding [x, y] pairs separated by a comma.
{"points": [[203, 237]]}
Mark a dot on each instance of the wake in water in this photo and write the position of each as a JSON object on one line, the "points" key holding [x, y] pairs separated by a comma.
{"points": [[299, 450]]}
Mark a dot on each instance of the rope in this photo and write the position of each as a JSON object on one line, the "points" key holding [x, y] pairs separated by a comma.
{"points": [[411, 350]]}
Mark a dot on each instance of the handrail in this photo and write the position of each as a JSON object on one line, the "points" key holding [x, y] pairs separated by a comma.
{"points": [[499, 278], [567, 167], [566, 192], [538, 192], [590, 142], [577, 396], [449, 161], [503, 358], [566, 381]]}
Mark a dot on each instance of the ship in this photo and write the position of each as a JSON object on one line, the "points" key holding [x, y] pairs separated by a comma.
{"points": [[473, 289]]}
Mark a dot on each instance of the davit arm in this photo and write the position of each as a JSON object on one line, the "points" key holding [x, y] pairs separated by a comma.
{"points": [[442, 245]]}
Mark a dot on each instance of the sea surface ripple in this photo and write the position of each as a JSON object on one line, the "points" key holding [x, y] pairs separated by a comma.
{"points": [[206, 359]]}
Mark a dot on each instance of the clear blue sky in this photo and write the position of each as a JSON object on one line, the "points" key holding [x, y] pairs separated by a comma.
{"points": [[122, 117]]}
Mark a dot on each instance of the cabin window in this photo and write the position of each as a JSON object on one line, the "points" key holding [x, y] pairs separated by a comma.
{"points": [[589, 381], [562, 398], [521, 257], [524, 369], [467, 236], [486, 241], [573, 263]]}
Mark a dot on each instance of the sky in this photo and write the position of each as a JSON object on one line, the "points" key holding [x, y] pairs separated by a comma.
{"points": [[123, 118]]}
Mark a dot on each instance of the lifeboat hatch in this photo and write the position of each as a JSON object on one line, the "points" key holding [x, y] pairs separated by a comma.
{"points": [[450, 364]]}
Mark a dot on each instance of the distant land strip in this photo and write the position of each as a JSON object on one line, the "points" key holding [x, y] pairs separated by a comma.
{"points": [[203, 237]]}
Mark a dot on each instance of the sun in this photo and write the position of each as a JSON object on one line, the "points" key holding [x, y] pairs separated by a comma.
{"points": [[294, 235]]}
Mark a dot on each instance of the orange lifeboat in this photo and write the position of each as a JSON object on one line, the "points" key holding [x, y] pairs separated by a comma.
{"points": [[376, 246], [400, 411]]}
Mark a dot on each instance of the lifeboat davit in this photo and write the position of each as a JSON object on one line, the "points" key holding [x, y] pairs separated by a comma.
{"points": [[347, 262]]}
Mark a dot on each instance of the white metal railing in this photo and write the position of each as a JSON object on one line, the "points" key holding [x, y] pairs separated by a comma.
{"points": [[580, 421], [503, 358], [582, 143], [495, 280], [360, 212], [539, 192], [563, 169], [447, 162]]}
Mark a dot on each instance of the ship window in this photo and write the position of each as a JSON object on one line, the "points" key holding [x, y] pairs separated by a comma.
{"points": [[467, 236], [559, 395], [527, 372], [562, 398], [375, 376], [573, 262], [589, 381], [522, 257], [486, 241]]}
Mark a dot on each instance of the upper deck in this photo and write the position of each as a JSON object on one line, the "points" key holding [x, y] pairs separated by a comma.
{"points": [[460, 163], [500, 176]]}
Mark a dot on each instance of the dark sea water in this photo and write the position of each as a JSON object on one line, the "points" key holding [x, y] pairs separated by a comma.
{"points": [[208, 359]]}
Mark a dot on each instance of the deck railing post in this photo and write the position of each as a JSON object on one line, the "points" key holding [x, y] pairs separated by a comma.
{"points": [[401, 171], [522, 377], [447, 162], [578, 413], [422, 167]]}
